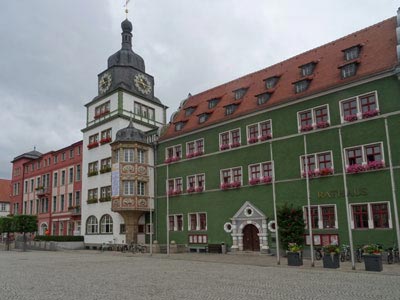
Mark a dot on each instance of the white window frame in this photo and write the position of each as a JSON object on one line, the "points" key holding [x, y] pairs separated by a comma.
{"points": [[196, 180], [129, 155], [261, 171], [230, 136], [364, 155], [313, 116], [175, 185], [195, 146], [370, 215], [320, 219], [259, 129], [197, 221], [231, 174], [316, 161], [175, 228], [129, 187], [358, 101], [141, 185], [173, 151]]}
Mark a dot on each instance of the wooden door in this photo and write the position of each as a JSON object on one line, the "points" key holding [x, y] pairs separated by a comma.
{"points": [[251, 241]]}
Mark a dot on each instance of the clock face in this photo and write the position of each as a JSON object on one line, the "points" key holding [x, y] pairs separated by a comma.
{"points": [[105, 82], [142, 83]]}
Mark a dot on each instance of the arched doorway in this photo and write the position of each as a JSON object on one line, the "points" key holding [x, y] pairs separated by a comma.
{"points": [[251, 241]]}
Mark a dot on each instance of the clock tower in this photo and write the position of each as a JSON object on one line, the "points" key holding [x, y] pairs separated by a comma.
{"points": [[125, 97]]}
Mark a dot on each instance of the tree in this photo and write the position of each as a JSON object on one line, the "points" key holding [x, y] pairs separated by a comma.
{"points": [[24, 224], [6, 227], [291, 225]]}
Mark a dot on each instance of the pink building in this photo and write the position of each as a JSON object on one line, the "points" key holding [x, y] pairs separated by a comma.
{"points": [[49, 186]]}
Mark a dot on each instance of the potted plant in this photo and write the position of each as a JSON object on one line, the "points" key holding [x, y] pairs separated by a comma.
{"points": [[372, 257], [331, 256], [294, 255]]}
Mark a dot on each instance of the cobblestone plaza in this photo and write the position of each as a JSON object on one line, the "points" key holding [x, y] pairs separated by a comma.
{"points": [[111, 275]]}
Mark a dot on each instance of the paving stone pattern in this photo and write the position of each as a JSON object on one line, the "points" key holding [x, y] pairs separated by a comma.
{"points": [[110, 275]]}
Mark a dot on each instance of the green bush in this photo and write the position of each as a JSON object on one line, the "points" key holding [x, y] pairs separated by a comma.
{"points": [[291, 226], [59, 238]]}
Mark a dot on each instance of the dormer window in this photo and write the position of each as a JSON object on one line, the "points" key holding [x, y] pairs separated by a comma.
{"points": [[179, 126], [203, 117], [239, 94], [307, 69], [189, 111], [271, 82], [301, 86], [351, 53], [263, 98], [230, 109], [213, 102], [348, 70]]}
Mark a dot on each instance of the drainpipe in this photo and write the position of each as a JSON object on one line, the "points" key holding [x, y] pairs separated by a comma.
{"points": [[308, 202], [396, 215], [278, 255], [346, 196]]}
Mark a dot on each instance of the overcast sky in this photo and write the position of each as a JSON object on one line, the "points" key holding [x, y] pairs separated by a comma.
{"points": [[51, 52]]}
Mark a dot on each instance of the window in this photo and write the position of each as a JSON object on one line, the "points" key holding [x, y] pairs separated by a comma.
{"points": [[102, 110], [189, 111], [301, 86], [55, 158], [364, 157], [62, 202], [318, 164], [93, 168], [322, 216], [359, 107], [259, 132], [105, 136], [229, 139], [54, 203], [77, 198], [263, 98], [141, 188], [348, 70], [128, 155], [91, 225], [197, 221], [106, 224], [195, 183], [144, 111], [261, 172], [179, 126], [92, 194], [141, 156], [128, 187], [203, 117], [213, 102], [174, 186], [351, 53], [230, 109], [78, 173], [371, 215], [105, 193], [71, 175], [55, 179], [271, 82], [194, 148], [62, 177], [239, 94], [93, 140], [105, 165], [70, 200], [175, 222], [231, 177], [307, 69], [317, 117], [71, 153], [63, 156], [173, 153]]}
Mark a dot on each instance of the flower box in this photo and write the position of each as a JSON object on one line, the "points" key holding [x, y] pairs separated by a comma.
{"points": [[236, 184], [370, 113], [294, 258], [331, 260], [102, 114], [93, 145], [311, 174], [373, 262], [105, 199], [175, 158], [265, 137], [305, 128], [325, 171], [266, 179], [105, 169], [350, 118], [356, 168], [224, 147], [92, 200], [93, 173], [105, 140], [322, 124], [252, 140], [225, 185], [174, 192], [190, 190], [377, 164], [189, 155], [168, 160], [198, 153], [199, 189], [254, 181], [235, 145]]}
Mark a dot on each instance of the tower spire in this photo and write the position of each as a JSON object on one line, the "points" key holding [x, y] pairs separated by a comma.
{"points": [[126, 7]]}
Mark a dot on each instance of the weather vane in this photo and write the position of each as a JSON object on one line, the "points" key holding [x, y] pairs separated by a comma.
{"points": [[126, 7]]}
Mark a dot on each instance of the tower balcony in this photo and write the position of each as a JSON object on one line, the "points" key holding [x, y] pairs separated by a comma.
{"points": [[134, 203]]}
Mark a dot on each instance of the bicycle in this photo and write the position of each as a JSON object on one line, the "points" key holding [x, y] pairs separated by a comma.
{"points": [[318, 253], [137, 248], [345, 253], [392, 255], [359, 254]]}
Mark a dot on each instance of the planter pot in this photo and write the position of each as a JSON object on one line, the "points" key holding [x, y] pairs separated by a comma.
{"points": [[294, 259], [373, 262], [331, 261]]}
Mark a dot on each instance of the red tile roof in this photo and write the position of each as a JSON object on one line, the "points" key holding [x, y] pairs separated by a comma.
{"points": [[5, 190], [378, 54]]}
